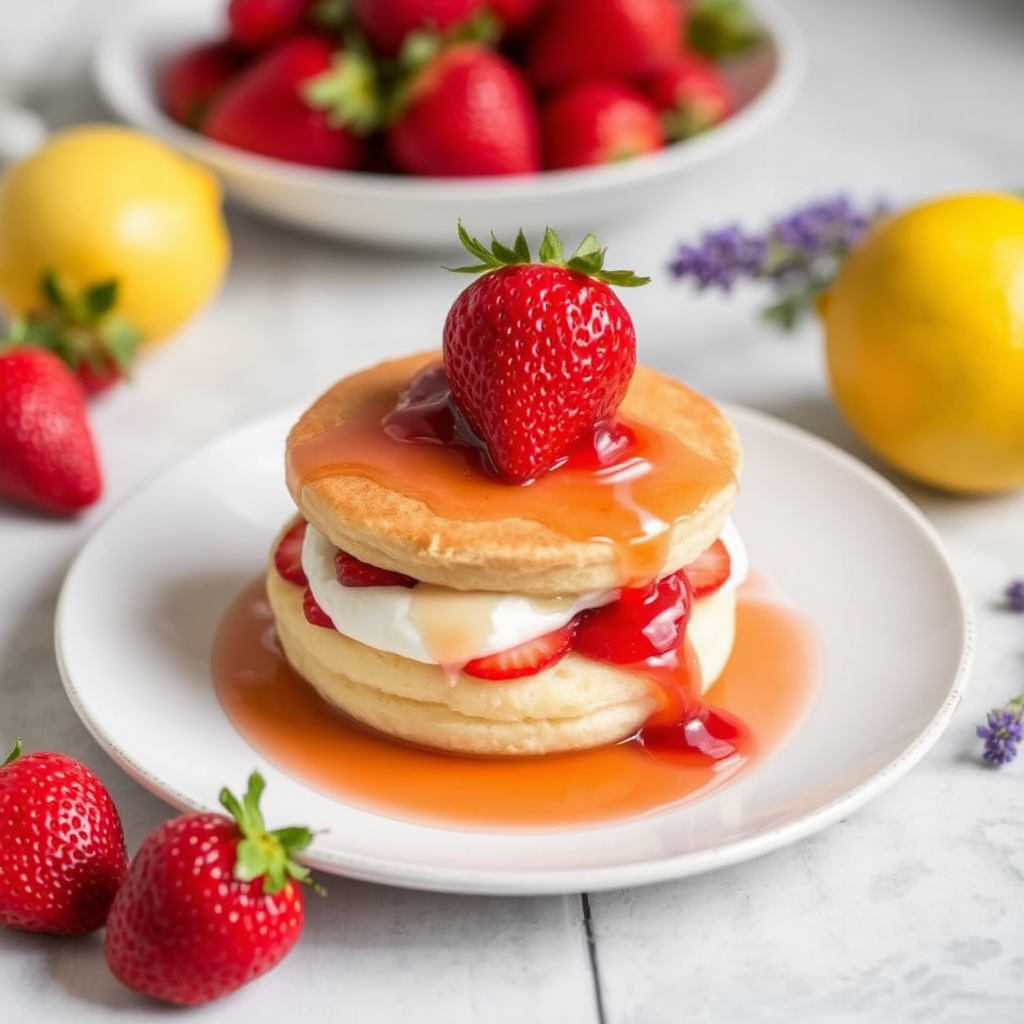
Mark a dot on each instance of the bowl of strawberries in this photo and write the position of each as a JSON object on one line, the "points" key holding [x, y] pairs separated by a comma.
{"points": [[388, 121]]}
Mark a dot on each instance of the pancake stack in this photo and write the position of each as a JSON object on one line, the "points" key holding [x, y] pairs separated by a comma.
{"points": [[461, 565]]}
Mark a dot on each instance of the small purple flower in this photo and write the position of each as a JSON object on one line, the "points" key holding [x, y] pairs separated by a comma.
{"points": [[721, 258], [1002, 732], [1015, 596], [798, 255]]}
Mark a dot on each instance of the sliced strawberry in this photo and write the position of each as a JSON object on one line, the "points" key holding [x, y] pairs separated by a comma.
{"points": [[525, 659], [288, 554], [315, 615], [709, 570], [351, 572]]}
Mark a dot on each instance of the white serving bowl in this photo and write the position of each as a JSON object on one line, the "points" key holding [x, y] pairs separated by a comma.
{"points": [[421, 213]]}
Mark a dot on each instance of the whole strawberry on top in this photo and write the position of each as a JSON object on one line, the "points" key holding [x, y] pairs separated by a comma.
{"points": [[62, 849], [540, 353], [211, 902], [48, 456]]}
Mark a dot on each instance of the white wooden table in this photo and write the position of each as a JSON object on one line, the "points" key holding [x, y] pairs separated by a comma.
{"points": [[912, 909]]}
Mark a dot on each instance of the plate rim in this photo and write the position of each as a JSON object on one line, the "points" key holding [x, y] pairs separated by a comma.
{"points": [[533, 881]]}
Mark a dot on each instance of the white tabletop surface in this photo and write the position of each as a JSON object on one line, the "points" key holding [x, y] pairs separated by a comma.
{"points": [[912, 909]]}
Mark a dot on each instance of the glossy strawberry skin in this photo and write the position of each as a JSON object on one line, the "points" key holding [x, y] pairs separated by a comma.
{"points": [[192, 79], [48, 456], [182, 929], [598, 122], [575, 40], [386, 23], [536, 357], [469, 112], [263, 110], [62, 848], [257, 24]]}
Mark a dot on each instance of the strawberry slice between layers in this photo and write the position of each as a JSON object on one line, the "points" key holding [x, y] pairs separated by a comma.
{"points": [[351, 572], [288, 554], [709, 570], [525, 659]]}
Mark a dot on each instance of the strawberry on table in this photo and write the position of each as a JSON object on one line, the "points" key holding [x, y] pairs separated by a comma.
{"points": [[690, 93], [85, 330], [48, 457], [306, 100], [62, 849], [210, 902], [599, 121], [573, 40], [190, 81], [466, 111], [538, 353]]}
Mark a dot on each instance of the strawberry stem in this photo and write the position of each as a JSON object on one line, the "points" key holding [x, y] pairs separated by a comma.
{"points": [[587, 258], [263, 854]]}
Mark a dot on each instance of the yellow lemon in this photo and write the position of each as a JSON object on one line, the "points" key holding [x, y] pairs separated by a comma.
{"points": [[924, 339], [102, 201]]}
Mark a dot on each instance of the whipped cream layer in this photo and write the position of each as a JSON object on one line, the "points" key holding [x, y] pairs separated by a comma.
{"points": [[440, 626]]}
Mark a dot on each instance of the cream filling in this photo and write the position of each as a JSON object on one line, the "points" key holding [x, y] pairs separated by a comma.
{"points": [[440, 626]]}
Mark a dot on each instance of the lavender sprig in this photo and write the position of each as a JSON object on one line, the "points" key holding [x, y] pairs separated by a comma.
{"points": [[797, 257], [1004, 727], [1002, 731]]}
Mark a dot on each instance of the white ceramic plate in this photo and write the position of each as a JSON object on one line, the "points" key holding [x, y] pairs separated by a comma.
{"points": [[415, 212], [140, 606]]}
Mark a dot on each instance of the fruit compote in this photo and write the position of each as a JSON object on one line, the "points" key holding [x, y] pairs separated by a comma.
{"points": [[627, 484]]}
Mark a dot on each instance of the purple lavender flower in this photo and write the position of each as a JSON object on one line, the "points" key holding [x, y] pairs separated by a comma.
{"points": [[1015, 596], [721, 258], [1003, 730], [797, 256]]}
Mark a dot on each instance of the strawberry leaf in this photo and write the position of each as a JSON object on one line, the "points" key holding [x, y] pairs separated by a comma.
{"points": [[263, 854], [99, 299], [587, 258], [349, 92], [81, 329]]}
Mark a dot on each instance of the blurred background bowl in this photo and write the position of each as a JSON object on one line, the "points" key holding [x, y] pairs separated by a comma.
{"points": [[421, 213]]}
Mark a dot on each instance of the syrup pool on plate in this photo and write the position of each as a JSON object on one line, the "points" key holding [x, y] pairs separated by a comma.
{"points": [[628, 486], [767, 685]]}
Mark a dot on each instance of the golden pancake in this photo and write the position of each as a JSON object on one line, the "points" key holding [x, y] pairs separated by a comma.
{"points": [[575, 704], [385, 526]]}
